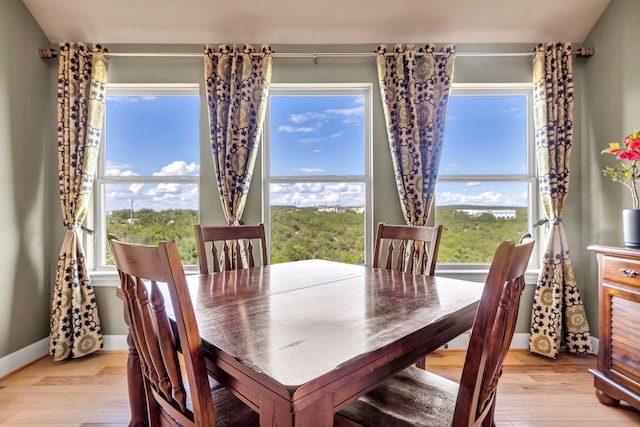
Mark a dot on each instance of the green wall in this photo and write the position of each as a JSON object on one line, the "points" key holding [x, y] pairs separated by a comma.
{"points": [[26, 132], [607, 93], [610, 111]]}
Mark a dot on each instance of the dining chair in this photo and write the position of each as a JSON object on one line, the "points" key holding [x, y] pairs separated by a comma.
{"points": [[200, 401], [416, 397], [231, 246], [407, 248]]}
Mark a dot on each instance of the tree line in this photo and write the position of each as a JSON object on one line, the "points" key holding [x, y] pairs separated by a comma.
{"points": [[305, 233]]}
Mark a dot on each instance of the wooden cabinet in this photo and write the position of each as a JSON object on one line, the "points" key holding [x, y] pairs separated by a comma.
{"points": [[617, 376]]}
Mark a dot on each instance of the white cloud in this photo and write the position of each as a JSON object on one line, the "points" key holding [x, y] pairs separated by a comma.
{"points": [[286, 128], [451, 167], [304, 129], [487, 198], [305, 117], [311, 170], [473, 184], [309, 140], [179, 168], [349, 112], [114, 169], [315, 194], [292, 129], [336, 135]]}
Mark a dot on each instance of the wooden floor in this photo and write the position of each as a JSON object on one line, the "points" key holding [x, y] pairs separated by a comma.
{"points": [[92, 392]]}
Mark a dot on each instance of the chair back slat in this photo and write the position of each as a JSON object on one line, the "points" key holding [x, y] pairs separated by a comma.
{"points": [[408, 248], [232, 247], [492, 333], [142, 269]]}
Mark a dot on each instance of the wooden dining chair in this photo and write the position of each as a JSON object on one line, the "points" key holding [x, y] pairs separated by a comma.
{"points": [[231, 246], [200, 401], [415, 397], [407, 248]]}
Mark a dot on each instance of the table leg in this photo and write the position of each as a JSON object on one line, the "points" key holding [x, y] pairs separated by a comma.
{"points": [[319, 414]]}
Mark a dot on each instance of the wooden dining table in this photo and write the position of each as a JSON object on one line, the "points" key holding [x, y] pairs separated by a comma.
{"points": [[297, 341]]}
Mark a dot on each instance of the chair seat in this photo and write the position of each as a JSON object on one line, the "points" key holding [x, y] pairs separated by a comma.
{"points": [[231, 411], [394, 402]]}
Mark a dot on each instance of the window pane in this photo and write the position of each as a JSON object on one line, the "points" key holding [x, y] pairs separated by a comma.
{"points": [[477, 216], [151, 132], [152, 135], [316, 135], [317, 220], [485, 135], [148, 213]]}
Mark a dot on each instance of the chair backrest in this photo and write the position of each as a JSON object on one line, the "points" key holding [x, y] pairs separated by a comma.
{"points": [[407, 248], [140, 269], [492, 333], [231, 246]]}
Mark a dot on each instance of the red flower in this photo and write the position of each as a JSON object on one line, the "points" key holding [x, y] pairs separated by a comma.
{"points": [[627, 171]]}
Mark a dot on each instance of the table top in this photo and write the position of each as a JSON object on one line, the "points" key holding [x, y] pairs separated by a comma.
{"points": [[299, 321]]}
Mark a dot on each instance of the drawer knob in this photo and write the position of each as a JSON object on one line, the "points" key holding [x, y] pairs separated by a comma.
{"points": [[628, 273]]}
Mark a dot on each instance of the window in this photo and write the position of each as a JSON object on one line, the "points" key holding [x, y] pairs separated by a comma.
{"points": [[317, 172], [485, 190], [147, 181]]}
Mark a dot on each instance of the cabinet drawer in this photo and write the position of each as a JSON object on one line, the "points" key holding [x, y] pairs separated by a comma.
{"points": [[621, 270]]}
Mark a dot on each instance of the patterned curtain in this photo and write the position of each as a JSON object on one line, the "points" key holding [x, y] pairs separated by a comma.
{"points": [[558, 315], [237, 86], [82, 77], [415, 85]]}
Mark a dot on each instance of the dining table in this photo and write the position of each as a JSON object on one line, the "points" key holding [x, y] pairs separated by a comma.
{"points": [[297, 341]]}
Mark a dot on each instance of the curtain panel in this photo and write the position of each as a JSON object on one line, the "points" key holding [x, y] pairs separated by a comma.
{"points": [[558, 317], [237, 88], [82, 78], [415, 85]]}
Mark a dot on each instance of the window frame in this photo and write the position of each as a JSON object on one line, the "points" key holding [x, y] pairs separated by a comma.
{"points": [[322, 89], [529, 178], [97, 239]]}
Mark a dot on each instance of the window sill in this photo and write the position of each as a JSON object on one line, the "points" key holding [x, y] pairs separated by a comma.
{"points": [[480, 274], [108, 277]]}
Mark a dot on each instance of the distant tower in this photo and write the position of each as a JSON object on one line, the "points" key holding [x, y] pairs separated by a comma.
{"points": [[131, 219]]}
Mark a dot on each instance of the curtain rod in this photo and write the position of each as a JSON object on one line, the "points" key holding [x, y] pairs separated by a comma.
{"points": [[580, 53]]}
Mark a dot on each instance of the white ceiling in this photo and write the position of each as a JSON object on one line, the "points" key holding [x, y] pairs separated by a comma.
{"points": [[315, 22]]}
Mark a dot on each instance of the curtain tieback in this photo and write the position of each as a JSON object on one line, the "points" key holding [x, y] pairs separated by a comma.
{"points": [[554, 221], [79, 227]]}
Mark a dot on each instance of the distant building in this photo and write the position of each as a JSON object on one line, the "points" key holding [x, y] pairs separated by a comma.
{"points": [[332, 209], [498, 213], [340, 209]]}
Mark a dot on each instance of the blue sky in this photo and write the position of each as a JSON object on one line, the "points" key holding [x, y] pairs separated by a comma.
{"points": [[311, 136], [152, 136], [484, 135], [316, 135]]}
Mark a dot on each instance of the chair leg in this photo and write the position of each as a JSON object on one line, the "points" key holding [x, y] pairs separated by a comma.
{"points": [[489, 420], [422, 363]]}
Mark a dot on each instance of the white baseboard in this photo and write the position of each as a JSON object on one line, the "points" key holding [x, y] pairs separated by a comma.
{"points": [[18, 359], [520, 341], [115, 342], [29, 354]]}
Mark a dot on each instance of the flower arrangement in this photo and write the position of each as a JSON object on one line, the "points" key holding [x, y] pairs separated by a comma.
{"points": [[627, 172]]}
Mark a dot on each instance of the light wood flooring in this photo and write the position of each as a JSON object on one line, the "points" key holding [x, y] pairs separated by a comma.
{"points": [[92, 392]]}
